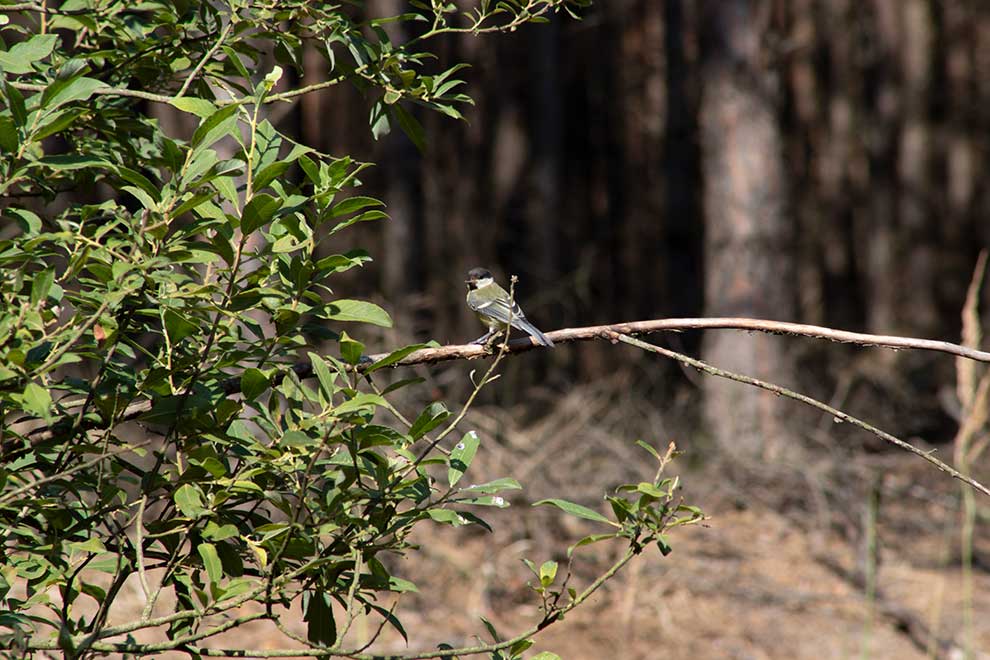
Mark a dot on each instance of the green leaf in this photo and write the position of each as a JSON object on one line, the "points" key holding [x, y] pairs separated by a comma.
{"points": [[399, 585], [693, 510], [270, 173], [431, 417], [227, 187], [461, 456], [664, 545], [189, 499], [321, 628], [259, 211], [28, 220], [399, 384], [214, 127], [487, 500], [297, 439], [234, 58], [491, 629], [359, 311], [588, 540], [350, 349], [21, 56], [448, 516], [360, 217], [545, 655], [338, 263], [519, 647], [352, 204], [379, 120], [576, 510], [41, 284], [37, 400], [78, 89], [548, 572], [649, 449], [253, 383], [56, 122], [649, 489], [9, 140], [216, 532], [327, 378], [177, 326], [363, 402], [411, 127], [141, 181], [192, 203], [66, 162], [197, 106], [140, 195], [17, 107], [211, 561], [394, 356], [491, 487], [621, 507]]}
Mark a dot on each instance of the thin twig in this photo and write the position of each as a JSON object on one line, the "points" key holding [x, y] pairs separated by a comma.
{"points": [[14, 494], [351, 590], [598, 332], [550, 619], [206, 58], [139, 550], [591, 333], [783, 391]]}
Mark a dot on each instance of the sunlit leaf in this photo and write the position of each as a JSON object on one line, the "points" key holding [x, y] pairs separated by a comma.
{"points": [[576, 510], [461, 456], [359, 311]]}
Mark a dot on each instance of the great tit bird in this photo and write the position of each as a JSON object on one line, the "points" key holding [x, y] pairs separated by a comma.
{"points": [[496, 309]]}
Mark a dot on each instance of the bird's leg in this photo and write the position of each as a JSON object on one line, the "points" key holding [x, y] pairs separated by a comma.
{"points": [[483, 339]]}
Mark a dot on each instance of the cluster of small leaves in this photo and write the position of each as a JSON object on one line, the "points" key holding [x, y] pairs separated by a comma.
{"points": [[165, 419], [645, 512], [167, 51]]}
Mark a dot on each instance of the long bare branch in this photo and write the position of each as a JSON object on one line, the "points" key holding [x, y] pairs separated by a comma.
{"points": [[838, 415], [595, 333]]}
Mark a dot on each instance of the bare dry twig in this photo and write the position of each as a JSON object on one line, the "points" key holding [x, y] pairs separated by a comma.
{"points": [[595, 333], [837, 414]]}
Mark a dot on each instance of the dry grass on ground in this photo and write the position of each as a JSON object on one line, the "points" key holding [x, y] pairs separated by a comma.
{"points": [[778, 572]]}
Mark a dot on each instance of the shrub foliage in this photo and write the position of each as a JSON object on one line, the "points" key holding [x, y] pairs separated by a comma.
{"points": [[166, 418]]}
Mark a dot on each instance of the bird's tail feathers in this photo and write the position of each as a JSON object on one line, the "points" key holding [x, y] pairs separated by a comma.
{"points": [[533, 332]]}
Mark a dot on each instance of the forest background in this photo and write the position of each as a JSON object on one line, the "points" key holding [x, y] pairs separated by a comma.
{"points": [[815, 161]]}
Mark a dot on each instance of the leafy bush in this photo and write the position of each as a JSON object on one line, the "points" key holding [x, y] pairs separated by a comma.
{"points": [[165, 416]]}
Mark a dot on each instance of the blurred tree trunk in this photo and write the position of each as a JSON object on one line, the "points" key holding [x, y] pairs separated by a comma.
{"points": [[877, 230], [546, 179], [981, 85], [749, 257], [917, 255], [400, 170], [681, 162]]}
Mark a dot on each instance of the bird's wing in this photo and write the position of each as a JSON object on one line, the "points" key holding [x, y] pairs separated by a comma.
{"points": [[498, 309]]}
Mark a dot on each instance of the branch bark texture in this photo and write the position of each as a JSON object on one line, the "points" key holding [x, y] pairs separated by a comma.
{"points": [[595, 333]]}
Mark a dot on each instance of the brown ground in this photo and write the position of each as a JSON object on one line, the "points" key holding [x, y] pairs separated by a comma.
{"points": [[777, 572], [751, 584]]}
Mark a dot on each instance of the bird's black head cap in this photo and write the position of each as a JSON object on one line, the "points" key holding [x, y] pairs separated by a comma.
{"points": [[476, 274]]}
